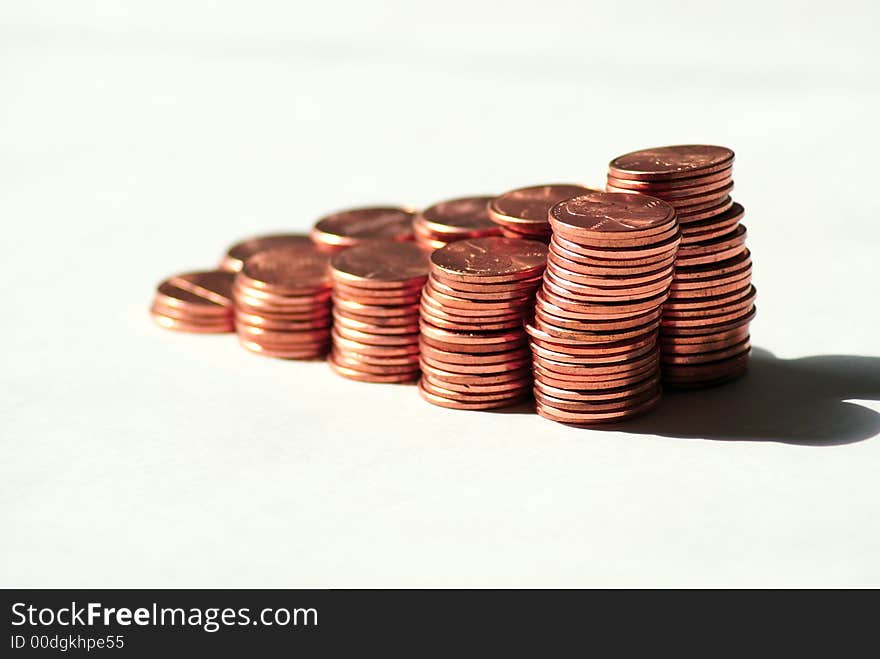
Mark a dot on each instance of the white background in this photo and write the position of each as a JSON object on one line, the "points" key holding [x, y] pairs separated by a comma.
{"points": [[140, 139]]}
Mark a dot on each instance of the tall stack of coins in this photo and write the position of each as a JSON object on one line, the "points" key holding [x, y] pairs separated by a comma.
{"points": [[241, 251], [376, 290], [594, 334], [474, 350], [282, 302], [454, 220], [522, 213], [705, 329], [356, 226], [195, 302]]}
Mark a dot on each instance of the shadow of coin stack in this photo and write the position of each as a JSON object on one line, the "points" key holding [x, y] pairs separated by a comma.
{"points": [[597, 316], [522, 213], [453, 220], [376, 292], [356, 226], [474, 350], [199, 302], [282, 302], [704, 334]]}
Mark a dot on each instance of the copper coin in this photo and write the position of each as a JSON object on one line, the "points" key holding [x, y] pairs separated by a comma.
{"points": [[476, 378], [681, 305], [467, 307], [671, 195], [526, 209], [659, 186], [697, 317], [383, 298], [490, 260], [567, 353], [471, 313], [241, 251], [305, 353], [361, 348], [473, 338], [591, 267], [169, 295], [607, 213], [455, 404], [686, 216], [735, 237], [291, 269], [585, 405], [706, 272], [608, 395], [708, 370], [531, 234], [553, 334], [728, 217], [670, 162], [473, 326], [513, 385], [475, 348], [385, 362], [593, 382], [587, 316], [696, 288], [580, 309], [590, 292], [708, 356], [602, 352], [433, 387], [454, 357], [213, 285], [381, 265], [521, 286], [487, 294], [588, 419], [189, 315], [549, 315], [365, 326], [684, 261], [350, 227], [181, 325], [378, 367], [461, 217], [677, 343], [256, 320], [653, 255], [707, 326], [373, 310], [363, 376], [606, 281], [583, 366]]}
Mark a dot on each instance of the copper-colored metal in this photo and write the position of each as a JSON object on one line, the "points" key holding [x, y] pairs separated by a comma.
{"points": [[453, 220], [490, 260], [357, 225], [241, 251], [197, 302], [670, 162], [382, 266], [524, 211]]}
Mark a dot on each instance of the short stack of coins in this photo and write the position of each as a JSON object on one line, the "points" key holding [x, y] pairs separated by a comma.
{"points": [[199, 302], [474, 350], [282, 302], [376, 293], [597, 316], [356, 226], [522, 213], [704, 334], [236, 255], [454, 220]]}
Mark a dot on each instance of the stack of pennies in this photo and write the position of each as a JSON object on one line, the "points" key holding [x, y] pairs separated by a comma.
{"points": [[594, 333], [195, 302], [348, 228], [376, 290], [241, 251], [704, 335], [454, 220], [474, 349], [522, 213], [282, 302]]}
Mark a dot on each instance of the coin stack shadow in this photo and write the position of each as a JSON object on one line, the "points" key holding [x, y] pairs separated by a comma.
{"points": [[704, 334], [339, 231], [474, 350], [199, 302], [453, 220], [376, 292], [522, 213], [282, 302], [594, 333]]}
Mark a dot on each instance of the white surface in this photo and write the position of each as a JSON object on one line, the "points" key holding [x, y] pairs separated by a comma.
{"points": [[137, 142]]}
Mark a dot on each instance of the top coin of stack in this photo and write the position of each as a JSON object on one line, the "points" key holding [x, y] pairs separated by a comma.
{"points": [[241, 251], [594, 334], [522, 213], [453, 220], [376, 289], [474, 352], [282, 302], [705, 329], [195, 302], [344, 229]]}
